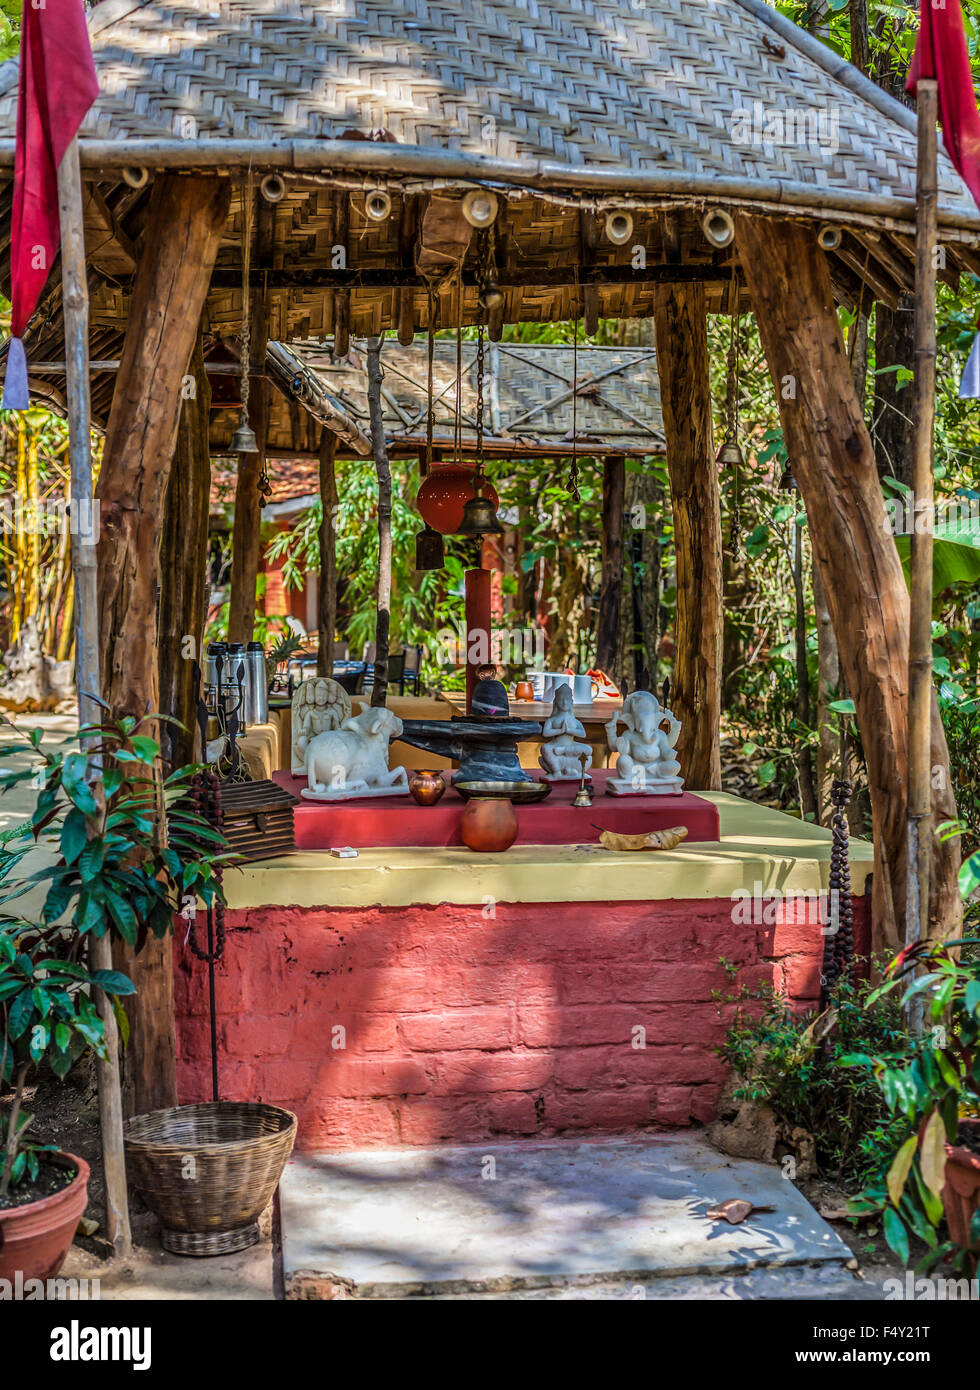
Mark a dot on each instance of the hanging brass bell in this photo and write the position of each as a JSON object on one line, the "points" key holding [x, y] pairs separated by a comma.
{"points": [[730, 453], [479, 518], [243, 441], [430, 552]]}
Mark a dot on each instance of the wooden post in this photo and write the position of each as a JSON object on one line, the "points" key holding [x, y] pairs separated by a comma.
{"points": [[920, 558], [685, 395], [327, 616], [183, 582], [611, 584], [246, 543], [186, 216], [74, 281], [833, 463], [383, 625]]}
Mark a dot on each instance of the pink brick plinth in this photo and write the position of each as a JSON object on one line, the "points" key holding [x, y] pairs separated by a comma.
{"points": [[430, 1024]]}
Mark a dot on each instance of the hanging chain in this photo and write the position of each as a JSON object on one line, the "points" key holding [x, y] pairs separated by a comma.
{"points": [[246, 348], [427, 460], [573, 470], [479, 402], [731, 405]]}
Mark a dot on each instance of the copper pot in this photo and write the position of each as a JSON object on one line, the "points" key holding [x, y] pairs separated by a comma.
{"points": [[524, 690], [488, 824], [426, 785]]}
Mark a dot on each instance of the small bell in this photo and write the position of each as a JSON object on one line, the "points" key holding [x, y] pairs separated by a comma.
{"points": [[730, 453], [787, 482], [479, 518], [430, 552], [243, 441]]}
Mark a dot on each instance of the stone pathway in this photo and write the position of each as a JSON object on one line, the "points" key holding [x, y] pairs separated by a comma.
{"points": [[609, 1218]]}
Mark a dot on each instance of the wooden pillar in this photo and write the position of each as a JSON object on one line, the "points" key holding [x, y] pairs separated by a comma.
{"points": [[611, 584], [183, 581], [246, 541], [478, 621], [183, 231], [327, 598], [833, 462], [685, 397]]}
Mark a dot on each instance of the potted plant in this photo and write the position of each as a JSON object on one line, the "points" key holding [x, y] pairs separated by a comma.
{"points": [[108, 867], [47, 1016], [935, 1173]]}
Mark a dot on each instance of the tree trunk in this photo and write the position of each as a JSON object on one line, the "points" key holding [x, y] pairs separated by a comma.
{"points": [[183, 582], [383, 625], [184, 226], [328, 554], [833, 463], [685, 394], [246, 543], [611, 585], [185, 221], [894, 428]]}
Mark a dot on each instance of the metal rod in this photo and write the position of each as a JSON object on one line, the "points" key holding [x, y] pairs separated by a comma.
{"points": [[213, 1007], [920, 580], [83, 562]]}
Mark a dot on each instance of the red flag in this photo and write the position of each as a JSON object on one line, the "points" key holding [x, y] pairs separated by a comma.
{"points": [[940, 52], [57, 85]]}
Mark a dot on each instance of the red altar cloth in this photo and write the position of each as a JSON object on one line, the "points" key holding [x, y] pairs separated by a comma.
{"points": [[397, 820]]}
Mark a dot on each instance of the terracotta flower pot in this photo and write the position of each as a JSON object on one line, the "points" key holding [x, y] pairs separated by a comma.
{"points": [[489, 824], [961, 1192], [426, 786], [34, 1238]]}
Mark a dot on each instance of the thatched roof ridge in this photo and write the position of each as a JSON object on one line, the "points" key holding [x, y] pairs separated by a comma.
{"points": [[579, 95]]}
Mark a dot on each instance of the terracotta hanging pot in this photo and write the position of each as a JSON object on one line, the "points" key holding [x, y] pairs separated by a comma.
{"points": [[489, 824], [444, 492], [426, 786]]}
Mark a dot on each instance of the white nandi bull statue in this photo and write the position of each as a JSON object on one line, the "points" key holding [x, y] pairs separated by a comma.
{"points": [[353, 760]]}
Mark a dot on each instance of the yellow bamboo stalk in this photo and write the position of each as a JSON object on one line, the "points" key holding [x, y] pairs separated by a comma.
{"points": [[32, 600], [17, 568]]}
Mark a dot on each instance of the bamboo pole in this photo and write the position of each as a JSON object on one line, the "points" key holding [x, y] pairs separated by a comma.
{"points": [[383, 468], [920, 619], [75, 295]]}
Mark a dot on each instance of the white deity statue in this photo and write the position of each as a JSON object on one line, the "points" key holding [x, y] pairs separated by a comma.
{"points": [[647, 763], [318, 706], [564, 754]]}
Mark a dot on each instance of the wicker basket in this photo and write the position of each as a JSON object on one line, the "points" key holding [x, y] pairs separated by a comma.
{"points": [[208, 1171]]}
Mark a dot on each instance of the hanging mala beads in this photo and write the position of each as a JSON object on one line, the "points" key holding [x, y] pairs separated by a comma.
{"points": [[206, 800], [573, 470], [839, 943]]}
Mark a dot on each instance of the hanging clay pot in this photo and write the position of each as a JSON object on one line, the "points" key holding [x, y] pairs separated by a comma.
{"points": [[488, 824], [426, 786]]}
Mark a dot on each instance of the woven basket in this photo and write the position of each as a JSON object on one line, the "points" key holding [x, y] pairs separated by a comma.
{"points": [[208, 1171]]}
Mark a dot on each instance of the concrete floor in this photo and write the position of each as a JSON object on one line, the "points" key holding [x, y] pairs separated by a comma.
{"points": [[604, 1218]]}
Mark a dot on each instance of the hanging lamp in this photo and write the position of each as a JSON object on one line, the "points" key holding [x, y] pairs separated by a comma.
{"points": [[730, 454], [243, 440], [479, 513]]}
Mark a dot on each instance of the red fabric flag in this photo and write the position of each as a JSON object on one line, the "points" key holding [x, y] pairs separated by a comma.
{"points": [[57, 85], [940, 52]]}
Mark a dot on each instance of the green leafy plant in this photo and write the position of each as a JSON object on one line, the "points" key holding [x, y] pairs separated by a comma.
{"points": [[122, 849], [927, 1092], [795, 1063]]}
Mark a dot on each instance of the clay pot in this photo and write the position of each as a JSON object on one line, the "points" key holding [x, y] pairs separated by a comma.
{"points": [[524, 690], [34, 1238], [426, 786], [961, 1191], [489, 824]]}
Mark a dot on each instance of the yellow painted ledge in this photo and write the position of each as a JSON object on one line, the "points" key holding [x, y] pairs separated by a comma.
{"points": [[758, 846]]}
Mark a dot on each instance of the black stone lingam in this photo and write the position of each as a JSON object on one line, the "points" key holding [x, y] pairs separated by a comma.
{"points": [[484, 743]]}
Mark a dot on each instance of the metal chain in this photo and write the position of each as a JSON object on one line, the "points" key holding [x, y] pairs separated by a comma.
{"points": [[246, 348], [479, 400], [206, 798], [573, 470]]}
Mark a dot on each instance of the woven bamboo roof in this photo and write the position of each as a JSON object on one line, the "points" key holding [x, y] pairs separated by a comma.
{"points": [[528, 399], [566, 111]]}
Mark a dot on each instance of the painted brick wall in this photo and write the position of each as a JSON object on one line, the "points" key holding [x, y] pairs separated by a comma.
{"points": [[435, 1024]]}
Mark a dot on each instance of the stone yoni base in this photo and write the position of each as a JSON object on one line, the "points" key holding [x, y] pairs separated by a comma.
{"points": [[453, 1023]]}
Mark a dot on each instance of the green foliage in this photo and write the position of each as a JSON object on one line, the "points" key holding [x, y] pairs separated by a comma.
{"points": [[107, 867], [926, 1092], [796, 1064]]}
